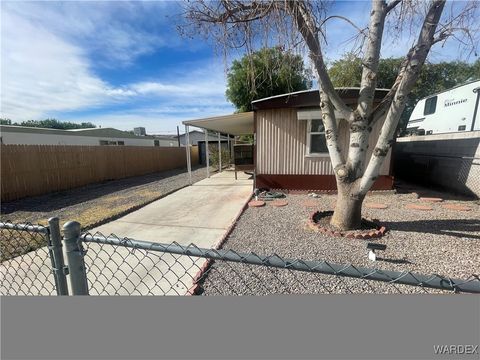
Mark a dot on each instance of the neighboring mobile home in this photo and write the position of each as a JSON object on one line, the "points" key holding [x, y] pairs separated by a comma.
{"points": [[23, 135], [452, 110], [290, 147]]}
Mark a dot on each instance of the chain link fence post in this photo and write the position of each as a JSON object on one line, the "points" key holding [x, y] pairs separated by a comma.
{"points": [[56, 252], [75, 254]]}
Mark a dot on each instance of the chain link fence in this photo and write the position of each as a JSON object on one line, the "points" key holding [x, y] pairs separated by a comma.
{"points": [[28, 264], [109, 265]]}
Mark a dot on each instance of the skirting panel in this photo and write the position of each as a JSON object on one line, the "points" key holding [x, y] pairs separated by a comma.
{"points": [[313, 182]]}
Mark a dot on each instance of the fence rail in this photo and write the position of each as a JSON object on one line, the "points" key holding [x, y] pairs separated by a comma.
{"points": [[29, 170], [109, 265]]}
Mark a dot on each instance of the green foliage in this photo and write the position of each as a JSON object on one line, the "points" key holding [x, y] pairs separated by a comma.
{"points": [[245, 139], [213, 156], [267, 72], [433, 77], [50, 124]]}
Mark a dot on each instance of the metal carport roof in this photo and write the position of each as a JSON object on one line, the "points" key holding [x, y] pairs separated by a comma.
{"points": [[234, 124]]}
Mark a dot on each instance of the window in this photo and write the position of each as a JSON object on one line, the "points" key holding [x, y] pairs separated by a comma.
{"points": [[103, 142], [316, 141], [462, 127], [120, 142], [430, 106], [156, 142]]}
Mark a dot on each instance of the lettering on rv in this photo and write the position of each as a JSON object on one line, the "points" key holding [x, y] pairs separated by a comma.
{"points": [[451, 102]]}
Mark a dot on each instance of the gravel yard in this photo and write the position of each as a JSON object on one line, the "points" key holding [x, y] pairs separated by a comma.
{"points": [[440, 241], [94, 204]]}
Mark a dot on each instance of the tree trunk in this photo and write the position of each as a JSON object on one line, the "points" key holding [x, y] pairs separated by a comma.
{"points": [[348, 210]]}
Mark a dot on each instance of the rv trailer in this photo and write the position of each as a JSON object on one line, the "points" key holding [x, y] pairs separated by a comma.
{"points": [[452, 110]]}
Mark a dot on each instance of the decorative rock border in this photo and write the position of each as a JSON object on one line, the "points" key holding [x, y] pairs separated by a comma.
{"points": [[256, 203], [355, 234], [418, 207], [457, 207], [279, 203], [430, 199], [195, 289]]}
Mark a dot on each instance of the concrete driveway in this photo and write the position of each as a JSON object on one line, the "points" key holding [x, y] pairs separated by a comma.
{"points": [[200, 214]]}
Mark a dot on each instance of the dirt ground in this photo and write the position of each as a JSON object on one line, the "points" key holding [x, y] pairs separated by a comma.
{"points": [[95, 204]]}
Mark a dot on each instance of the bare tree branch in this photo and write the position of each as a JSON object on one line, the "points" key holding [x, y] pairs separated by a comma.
{"points": [[392, 5], [306, 26], [362, 31], [359, 132], [408, 79]]}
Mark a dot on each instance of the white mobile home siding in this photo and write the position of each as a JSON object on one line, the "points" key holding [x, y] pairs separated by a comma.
{"points": [[11, 137], [282, 145]]}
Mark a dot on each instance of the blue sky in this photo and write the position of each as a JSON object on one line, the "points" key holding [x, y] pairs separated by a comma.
{"points": [[123, 64]]}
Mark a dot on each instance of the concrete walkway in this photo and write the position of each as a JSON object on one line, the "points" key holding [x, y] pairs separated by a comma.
{"points": [[199, 214]]}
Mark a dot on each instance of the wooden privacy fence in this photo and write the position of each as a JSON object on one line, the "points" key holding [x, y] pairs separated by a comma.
{"points": [[28, 170]]}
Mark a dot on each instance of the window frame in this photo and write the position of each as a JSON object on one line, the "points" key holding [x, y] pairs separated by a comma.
{"points": [[309, 140], [429, 100]]}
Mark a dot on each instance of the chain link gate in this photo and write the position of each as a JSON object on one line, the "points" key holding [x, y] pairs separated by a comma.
{"points": [[32, 259], [101, 265]]}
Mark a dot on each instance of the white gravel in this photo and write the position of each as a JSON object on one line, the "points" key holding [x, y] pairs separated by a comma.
{"points": [[441, 241]]}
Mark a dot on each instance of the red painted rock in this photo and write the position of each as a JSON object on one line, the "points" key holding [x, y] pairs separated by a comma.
{"points": [[457, 207], [431, 199], [279, 203], [376, 206], [256, 203], [419, 207]]}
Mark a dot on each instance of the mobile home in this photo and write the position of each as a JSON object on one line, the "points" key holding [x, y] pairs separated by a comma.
{"points": [[290, 147], [451, 110], [23, 135]]}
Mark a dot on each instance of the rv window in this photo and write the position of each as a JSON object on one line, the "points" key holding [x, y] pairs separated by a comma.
{"points": [[120, 142], [156, 142], [430, 106], [103, 142], [316, 142], [462, 127]]}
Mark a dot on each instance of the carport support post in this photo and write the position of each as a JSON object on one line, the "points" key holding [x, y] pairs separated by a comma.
{"points": [[228, 145], [207, 153], [189, 160], [219, 154], [75, 254]]}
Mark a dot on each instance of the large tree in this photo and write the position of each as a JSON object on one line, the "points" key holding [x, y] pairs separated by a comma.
{"points": [[266, 72], [434, 77], [239, 23]]}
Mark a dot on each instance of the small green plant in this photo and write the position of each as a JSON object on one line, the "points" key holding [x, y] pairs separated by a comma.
{"points": [[213, 156]]}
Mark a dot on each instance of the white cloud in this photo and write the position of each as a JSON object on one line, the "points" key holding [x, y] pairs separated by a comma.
{"points": [[112, 31], [42, 73], [48, 75]]}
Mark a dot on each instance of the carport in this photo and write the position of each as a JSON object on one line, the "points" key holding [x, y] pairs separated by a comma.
{"points": [[234, 124]]}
